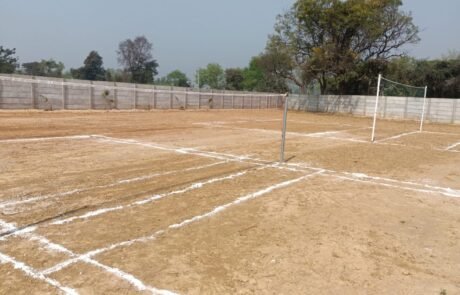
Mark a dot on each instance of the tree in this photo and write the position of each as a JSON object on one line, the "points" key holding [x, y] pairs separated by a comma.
{"points": [[234, 78], [46, 68], [261, 75], [92, 68], [136, 58], [8, 62], [212, 76], [117, 75], [175, 78], [442, 76], [329, 40]]}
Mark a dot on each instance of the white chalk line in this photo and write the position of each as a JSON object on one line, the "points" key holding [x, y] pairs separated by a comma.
{"points": [[441, 133], [153, 198], [398, 136], [228, 157], [453, 146], [193, 151], [425, 188], [295, 167], [13, 203], [30, 235], [181, 224], [31, 272], [326, 134], [128, 277], [35, 139], [420, 190]]}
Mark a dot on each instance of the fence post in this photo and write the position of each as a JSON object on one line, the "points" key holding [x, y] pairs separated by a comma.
{"points": [[454, 110], [406, 105], [1, 94], [63, 95], [199, 98], [211, 105], [115, 95], [171, 98], [251, 100], [32, 94], [186, 98], [223, 100], [154, 97], [135, 96], [242, 105], [364, 105], [91, 96]]}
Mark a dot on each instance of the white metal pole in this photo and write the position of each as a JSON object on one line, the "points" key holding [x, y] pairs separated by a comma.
{"points": [[283, 135], [376, 108], [423, 109]]}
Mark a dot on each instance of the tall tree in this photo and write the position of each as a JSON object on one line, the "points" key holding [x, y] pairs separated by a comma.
{"points": [[8, 62], [261, 75], [212, 76], [442, 76], [117, 75], [326, 40], [92, 68], [234, 78], [46, 68], [176, 78], [137, 59]]}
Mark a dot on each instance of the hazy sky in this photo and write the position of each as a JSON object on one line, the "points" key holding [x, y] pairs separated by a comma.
{"points": [[186, 34]]}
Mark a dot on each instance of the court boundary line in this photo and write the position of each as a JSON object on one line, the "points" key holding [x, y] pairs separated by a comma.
{"points": [[290, 166], [153, 198], [398, 136], [34, 274], [325, 136], [49, 138], [322, 134], [13, 203], [230, 157], [183, 223], [131, 279], [220, 156], [452, 147]]}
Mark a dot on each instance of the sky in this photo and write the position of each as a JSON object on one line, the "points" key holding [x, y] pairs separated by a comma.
{"points": [[186, 34]]}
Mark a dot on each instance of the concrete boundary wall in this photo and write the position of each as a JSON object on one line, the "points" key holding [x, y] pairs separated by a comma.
{"points": [[439, 110], [30, 92]]}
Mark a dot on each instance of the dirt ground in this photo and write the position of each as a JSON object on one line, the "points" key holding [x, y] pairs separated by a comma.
{"points": [[196, 202]]}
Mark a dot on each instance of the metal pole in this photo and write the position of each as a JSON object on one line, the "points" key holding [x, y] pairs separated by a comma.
{"points": [[283, 134], [423, 108], [376, 108]]}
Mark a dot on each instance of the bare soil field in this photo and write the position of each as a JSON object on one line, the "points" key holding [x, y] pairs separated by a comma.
{"points": [[196, 202]]}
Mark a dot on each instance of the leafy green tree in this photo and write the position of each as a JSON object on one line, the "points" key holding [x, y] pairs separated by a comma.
{"points": [[234, 79], [175, 78], [331, 41], [92, 68], [117, 75], [8, 62], [254, 79], [442, 76], [212, 76], [46, 68], [137, 59], [261, 75]]}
